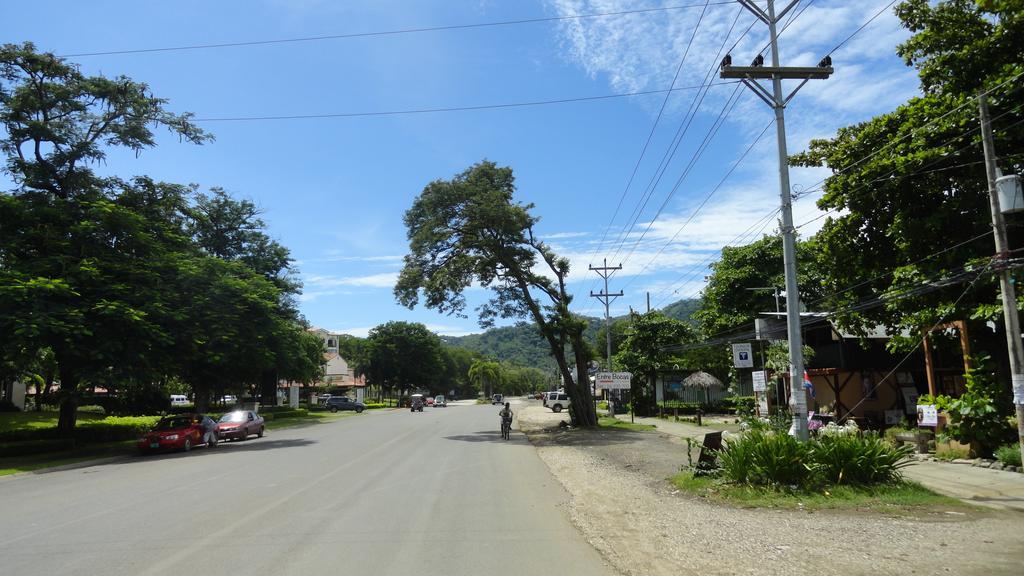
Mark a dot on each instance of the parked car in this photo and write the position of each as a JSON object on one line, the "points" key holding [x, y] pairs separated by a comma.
{"points": [[416, 403], [240, 424], [557, 401], [179, 399], [323, 398], [429, 401], [180, 432], [497, 399], [440, 402], [229, 399], [335, 403]]}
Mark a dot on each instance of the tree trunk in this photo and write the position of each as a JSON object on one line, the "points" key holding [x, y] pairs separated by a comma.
{"points": [[68, 405], [585, 412], [202, 397]]}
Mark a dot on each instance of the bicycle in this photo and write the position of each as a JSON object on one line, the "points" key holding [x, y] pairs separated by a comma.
{"points": [[506, 427]]}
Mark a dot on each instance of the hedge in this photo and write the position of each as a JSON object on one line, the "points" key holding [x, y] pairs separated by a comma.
{"points": [[109, 429]]}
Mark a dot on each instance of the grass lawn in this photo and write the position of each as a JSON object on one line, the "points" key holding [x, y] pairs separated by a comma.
{"points": [[609, 422], [906, 496], [27, 420], [35, 420]]}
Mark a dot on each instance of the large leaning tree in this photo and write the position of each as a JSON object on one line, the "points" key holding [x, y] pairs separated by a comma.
{"points": [[469, 230]]}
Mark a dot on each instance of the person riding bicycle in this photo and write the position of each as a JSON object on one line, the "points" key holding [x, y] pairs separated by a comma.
{"points": [[506, 412]]}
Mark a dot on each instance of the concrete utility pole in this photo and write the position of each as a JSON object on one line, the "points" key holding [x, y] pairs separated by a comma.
{"points": [[749, 76], [1006, 288]]}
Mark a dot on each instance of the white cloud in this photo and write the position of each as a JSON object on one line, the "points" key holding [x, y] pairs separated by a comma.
{"points": [[383, 280]]}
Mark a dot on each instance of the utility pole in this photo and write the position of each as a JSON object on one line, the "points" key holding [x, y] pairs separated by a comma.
{"points": [[606, 272], [1006, 288], [749, 76]]}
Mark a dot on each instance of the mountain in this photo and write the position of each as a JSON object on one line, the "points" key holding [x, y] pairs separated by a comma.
{"points": [[522, 345]]}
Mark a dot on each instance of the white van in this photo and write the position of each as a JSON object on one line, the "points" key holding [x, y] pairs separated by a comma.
{"points": [[179, 399]]}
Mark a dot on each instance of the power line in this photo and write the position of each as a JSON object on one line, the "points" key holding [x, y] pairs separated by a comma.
{"points": [[650, 135], [671, 150], [694, 270], [702, 204], [398, 31], [454, 108]]}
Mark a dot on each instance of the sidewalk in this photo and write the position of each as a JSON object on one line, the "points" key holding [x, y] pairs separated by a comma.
{"points": [[981, 486]]}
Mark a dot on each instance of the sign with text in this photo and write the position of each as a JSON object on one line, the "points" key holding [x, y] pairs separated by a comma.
{"points": [[614, 380], [927, 415], [742, 355], [760, 380]]}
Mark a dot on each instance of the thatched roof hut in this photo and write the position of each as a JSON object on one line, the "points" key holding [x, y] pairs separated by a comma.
{"points": [[701, 380]]}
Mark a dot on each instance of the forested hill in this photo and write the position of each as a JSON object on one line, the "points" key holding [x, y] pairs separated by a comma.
{"points": [[522, 345]]}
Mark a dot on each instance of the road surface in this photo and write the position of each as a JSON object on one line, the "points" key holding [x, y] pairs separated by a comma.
{"points": [[393, 493]]}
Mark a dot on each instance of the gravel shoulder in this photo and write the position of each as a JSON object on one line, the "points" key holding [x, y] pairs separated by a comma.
{"points": [[623, 505]]}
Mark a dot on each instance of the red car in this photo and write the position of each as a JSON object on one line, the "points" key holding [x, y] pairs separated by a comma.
{"points": [[180, 432], [240, 424]]}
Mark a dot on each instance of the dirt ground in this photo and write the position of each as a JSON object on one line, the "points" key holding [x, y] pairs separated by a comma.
{"points": [[623, 504]]}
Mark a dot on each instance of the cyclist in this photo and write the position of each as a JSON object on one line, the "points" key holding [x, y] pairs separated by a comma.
{"points": [[506, 417]]}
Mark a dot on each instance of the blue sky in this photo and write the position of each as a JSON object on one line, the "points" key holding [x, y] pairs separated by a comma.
{"points": [[334, 189]]}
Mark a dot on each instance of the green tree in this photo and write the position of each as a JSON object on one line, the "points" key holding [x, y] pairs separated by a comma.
{"points": [[404, 356], [468, 230], [911, 181], [486, 375], [736, 290], [619, 327], [79, 268], [651, 345]]}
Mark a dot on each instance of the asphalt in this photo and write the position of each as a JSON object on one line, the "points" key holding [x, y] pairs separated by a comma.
{"points": [[392, 493], [982, 486]]}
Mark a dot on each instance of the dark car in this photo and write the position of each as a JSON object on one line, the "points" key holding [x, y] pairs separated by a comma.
{"points": [[335, 403], [240, 424], [180, 432]]}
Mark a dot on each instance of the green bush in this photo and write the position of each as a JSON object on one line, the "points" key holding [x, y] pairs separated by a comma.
{"points": [[1009, 454], [602, 405], [29, 447], [686, 408], [109, 429], [856, 459], [761, 457], [974, 417], [375, 405], [764, 459], [264, 410]]}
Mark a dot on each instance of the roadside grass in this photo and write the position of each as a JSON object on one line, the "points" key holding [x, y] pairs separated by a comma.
{"points": [[905, 496], [37, 420], [15, 464], [609, 422], [310, 419]]}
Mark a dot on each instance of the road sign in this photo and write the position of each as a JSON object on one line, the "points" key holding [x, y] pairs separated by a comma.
{"points": [[760, 381], [614, 380], [742, 355]]}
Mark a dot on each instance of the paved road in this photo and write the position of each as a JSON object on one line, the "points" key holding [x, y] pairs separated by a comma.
{"points": [[391, 493]]}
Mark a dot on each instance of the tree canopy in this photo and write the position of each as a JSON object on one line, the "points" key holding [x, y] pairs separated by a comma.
{"points": [[122, 280]]}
